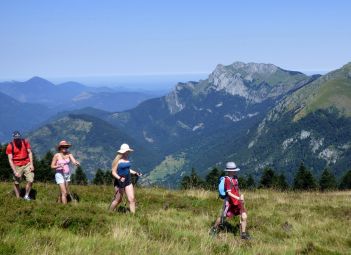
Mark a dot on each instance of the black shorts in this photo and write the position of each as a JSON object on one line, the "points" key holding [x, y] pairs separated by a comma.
{"points": [[124, 184]]}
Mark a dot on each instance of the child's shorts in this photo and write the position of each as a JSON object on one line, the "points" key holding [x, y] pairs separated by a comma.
{"points": [[231, 210]]}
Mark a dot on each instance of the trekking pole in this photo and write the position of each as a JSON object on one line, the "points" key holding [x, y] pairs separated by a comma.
{"points": [[70, 194]]}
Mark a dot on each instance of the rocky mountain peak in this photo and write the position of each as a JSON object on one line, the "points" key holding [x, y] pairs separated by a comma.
{"points": [[247, 68], [256, 82]]}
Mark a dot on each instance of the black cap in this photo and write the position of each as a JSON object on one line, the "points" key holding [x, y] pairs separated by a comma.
{"points": [[16, 135]]}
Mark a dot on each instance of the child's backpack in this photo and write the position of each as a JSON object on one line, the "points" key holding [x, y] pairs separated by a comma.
{"points": [[221, 190]]}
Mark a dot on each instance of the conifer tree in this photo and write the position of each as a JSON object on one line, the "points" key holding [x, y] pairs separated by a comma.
{"points": [[185, 182], [268, 178], [242, 182], [346, 181], [212, 178], [99, 177], [196, 181], [281, 183], [250, 182], [327, 181], [304, 179], [79, 177], [5, 169], [192, 181], [108, 177], [43, 170]]}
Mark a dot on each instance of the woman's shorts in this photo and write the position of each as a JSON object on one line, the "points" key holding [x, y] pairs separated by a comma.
{"points": [[61, 178], [124, 184]]}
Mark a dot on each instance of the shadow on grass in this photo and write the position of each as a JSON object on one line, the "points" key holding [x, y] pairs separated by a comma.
{"points": [[122, 209], [230, 228], [32, 193], [73, 197]]}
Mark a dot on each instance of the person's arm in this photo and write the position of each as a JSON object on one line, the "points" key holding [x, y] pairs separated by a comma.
{"points": [[135, 172], [76, 162], [234, 196], [12, 165], [30, 154], [114, 173], [54, 162]]}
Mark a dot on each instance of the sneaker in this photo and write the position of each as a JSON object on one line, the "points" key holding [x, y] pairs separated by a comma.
{"points": [[245, 236], [213, 231], [27, 198]]}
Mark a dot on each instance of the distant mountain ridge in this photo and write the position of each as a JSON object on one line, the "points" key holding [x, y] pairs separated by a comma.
{"points": [[244, 113], [17, 115], [71, 95], [36, 100]]}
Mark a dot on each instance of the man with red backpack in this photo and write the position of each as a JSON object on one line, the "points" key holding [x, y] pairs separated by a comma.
{"points": [[21, 161], [233, 201]]}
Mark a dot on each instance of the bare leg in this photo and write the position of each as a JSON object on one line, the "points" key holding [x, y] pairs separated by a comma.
{"points": [[66, 185], [68, 191], [131, 199], [218, 222], [243, 222], [117, 200], [16, 188], [63, 193], [28, 188]]}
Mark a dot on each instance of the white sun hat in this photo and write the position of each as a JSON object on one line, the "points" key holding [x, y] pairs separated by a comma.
{"points": [[231, 167], [124, 148]]}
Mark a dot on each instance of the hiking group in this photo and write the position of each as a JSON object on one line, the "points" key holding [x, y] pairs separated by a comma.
{"points": [[21, 162]]}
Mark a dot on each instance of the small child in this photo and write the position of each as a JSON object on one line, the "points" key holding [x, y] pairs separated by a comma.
{"points": [[234, 202]]}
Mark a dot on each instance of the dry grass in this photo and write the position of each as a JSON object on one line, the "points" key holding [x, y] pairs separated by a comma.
{"points": [[174, 222]]}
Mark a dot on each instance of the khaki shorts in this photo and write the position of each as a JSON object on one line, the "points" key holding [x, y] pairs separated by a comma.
{"points": [[23, 170]]}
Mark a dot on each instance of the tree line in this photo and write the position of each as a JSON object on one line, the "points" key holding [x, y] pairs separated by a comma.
{"points": [[303, 180]]}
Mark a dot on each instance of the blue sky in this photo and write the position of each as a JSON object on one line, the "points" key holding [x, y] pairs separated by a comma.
{"points": [[104, 38]]}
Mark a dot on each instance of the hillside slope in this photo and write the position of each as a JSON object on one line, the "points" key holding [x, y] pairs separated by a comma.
{"points": [[95, 142], [313, 124], [172, 222]]}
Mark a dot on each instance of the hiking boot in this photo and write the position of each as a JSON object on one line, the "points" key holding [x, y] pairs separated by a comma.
{"points": [[245, 236], [27, 198], [213, 231]]}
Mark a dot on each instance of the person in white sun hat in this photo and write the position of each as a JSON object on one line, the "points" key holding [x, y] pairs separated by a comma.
{"points": [[121, 171], [233, 201]]}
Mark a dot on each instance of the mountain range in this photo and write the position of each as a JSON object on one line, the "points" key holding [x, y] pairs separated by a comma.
{"points": [[257, 115], [16, 115], [38, 93], [312, 124]]}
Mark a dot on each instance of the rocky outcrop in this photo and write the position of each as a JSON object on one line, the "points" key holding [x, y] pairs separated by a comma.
{"points": [[252, 81]]}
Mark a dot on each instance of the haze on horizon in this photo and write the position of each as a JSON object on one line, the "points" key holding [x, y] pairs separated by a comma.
{"points": [[69, 39]]}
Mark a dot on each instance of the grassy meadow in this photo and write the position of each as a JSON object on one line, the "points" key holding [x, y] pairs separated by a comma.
{"points": [[173, 222]]}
